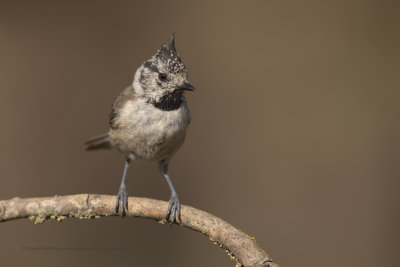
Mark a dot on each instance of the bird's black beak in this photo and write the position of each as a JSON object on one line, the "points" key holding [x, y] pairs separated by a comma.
{"points": [[187, 86]]}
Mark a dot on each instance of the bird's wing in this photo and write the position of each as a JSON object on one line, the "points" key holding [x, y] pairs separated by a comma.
{"points": [[126, 95]]}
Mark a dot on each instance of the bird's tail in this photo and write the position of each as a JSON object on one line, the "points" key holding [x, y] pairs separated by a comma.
{"points": [[98, 142]]}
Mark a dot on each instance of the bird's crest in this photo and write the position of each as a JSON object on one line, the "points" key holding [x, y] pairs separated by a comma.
{"points": [[168, 54]]}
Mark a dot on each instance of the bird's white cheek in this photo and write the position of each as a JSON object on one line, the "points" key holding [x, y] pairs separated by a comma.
{"points": [[137, 86]]}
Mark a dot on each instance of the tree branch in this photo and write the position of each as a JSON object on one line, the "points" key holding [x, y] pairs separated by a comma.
{"points": [[240, 247]]}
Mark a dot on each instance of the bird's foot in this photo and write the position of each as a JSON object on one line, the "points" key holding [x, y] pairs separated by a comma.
{"points": [[122, 201], [174, 208]]}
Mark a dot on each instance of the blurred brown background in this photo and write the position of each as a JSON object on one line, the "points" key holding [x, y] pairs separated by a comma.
{"points": [[294, 136]]}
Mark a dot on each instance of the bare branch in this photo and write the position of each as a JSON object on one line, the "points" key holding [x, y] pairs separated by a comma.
{"points": [[240, 247]]}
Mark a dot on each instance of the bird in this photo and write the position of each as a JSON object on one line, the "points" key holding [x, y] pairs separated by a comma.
{"points": [[149, 120]]}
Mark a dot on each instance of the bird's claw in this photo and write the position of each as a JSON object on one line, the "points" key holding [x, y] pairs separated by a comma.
{"points": [[122, 201], [174, 209]]}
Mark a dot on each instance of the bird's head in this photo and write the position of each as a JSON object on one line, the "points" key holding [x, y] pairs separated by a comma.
{"points": [[163, 75]]}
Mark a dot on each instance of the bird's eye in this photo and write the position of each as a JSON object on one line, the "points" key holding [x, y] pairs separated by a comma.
{"points": [[162, 77]]}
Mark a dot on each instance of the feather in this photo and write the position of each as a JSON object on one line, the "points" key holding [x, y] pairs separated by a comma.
{"points": [[98, 142]]}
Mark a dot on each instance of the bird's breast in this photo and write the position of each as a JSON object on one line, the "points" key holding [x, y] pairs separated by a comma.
{"points": [[148, 133]]}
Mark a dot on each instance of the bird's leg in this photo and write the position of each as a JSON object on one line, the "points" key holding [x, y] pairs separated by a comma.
{"points": [[122, 197], [174, 206]]}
